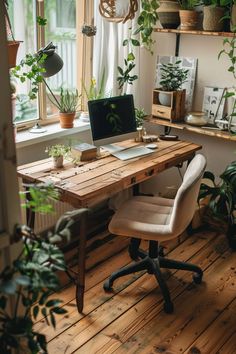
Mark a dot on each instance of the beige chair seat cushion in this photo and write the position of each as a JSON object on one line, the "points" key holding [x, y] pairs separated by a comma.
{"points": [[144, 217]]}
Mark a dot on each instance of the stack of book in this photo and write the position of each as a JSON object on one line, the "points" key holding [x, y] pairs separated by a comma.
{"points": [[84, 152]]}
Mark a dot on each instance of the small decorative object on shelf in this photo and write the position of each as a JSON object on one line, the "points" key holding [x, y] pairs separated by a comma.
{"points": [[212, 16], [197, 118]]}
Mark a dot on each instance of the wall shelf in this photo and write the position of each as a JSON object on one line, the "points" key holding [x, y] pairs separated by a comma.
{"points": [[183, 126], [199, 33]]}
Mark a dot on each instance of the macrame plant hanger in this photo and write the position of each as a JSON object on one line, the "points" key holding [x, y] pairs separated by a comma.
{"points": [[109, 9]]}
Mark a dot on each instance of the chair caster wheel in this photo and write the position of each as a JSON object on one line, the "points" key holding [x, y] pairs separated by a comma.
{"points": [[161, 251], [168, 307], [107, 286], [197, 278]]}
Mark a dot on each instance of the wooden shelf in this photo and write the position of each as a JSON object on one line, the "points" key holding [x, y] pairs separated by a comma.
{"points": [[183, 126], [199, 33]]}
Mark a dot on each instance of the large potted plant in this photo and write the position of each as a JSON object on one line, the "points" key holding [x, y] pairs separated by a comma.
{"points": [[169, 98], [29, 281], [221, 206], [67, 104]]}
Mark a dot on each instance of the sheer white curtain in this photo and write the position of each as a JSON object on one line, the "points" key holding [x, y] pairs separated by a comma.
{"points": [[108, 53]]}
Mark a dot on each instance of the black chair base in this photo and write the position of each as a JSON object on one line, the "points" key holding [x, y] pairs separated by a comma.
{"points": [[152, 262]]}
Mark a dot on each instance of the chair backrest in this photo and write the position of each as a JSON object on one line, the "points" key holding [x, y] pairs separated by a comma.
{"points": [[186, 197]]}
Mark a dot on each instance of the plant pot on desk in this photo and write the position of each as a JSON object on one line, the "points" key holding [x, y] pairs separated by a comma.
{"points": [[173, 108]]}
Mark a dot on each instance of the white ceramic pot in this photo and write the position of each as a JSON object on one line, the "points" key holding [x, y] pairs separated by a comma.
{"points": [[57, 161], [164, 99], [198, 118]]}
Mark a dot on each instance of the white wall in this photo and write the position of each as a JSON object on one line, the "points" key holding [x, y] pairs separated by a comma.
{"points": [[211, 72]]}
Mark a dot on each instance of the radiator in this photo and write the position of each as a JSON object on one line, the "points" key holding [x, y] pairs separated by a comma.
{"points": [[45, 221]]}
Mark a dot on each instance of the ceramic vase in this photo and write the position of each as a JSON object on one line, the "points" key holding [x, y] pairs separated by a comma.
{"points": [[168, 13]]}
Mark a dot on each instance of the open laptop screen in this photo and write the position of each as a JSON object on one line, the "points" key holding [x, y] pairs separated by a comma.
{"points": [[112, 116]]}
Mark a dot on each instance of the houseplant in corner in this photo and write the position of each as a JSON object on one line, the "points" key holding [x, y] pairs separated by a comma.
{"points": [[67, 104], [28, 282], [58, 152], [221, 208]]}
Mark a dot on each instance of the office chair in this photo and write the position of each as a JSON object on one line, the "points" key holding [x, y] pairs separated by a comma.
{"points": [[158, 219]]}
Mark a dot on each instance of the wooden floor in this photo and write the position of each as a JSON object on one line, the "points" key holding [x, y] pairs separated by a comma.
{"points": [[131, 319]]}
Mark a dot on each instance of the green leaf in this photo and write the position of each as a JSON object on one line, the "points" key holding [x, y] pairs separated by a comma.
{"points": [[130, 57], [53, 320], [209, 175], [135, 42], [59, 310], [53, 302], [35, 311], [125, 42]]}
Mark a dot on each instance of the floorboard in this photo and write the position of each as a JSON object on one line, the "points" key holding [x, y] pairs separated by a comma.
{"points": [[131, 318]]}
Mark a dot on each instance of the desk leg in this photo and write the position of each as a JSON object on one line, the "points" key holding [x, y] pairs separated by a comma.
{"points": [[30, 214], [81, 264]]}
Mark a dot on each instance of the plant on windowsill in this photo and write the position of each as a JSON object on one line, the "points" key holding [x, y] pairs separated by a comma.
{"points": [[94, 92], [28, 282], [67, 104], [12, 44], [221, 207], [58, 152]]}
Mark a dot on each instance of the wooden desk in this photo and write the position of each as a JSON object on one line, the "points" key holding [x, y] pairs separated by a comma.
{"points": [[92, 182]]}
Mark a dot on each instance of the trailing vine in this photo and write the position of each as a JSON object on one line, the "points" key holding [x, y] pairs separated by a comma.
{"points": [[146, 22]]}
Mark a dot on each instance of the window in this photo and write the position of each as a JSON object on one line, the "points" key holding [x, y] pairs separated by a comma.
{"points": [[61, 30]]}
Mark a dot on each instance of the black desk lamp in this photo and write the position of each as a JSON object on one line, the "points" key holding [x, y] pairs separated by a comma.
{"points": [[52, 65]]}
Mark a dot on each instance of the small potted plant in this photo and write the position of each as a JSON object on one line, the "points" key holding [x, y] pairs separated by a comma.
{"points": [[94, 92], [13, 45], [189, 17], [221, 207], [67, 103], [213, 13], [170, 95], [58, 152]]}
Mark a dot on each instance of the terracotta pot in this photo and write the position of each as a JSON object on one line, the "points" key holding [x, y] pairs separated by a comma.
{"points": [[12, 52], [67, 120], [57, 161], [188, 19], [212, 18], [233, 18], [168, 13]]}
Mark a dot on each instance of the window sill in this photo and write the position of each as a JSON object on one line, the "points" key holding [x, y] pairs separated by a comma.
{"points": [[25, 138]]}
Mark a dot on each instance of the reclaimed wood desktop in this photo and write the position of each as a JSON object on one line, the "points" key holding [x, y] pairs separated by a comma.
{"points": [[93, 181]]}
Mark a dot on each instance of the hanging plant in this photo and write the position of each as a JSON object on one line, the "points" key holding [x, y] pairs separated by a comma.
{"points": [[146, 23]]}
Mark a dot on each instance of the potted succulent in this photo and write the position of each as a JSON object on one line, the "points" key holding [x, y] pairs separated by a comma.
{"points": [[28, 282], [58, 152], [189, 17], [67, 103], [221, 207]]}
